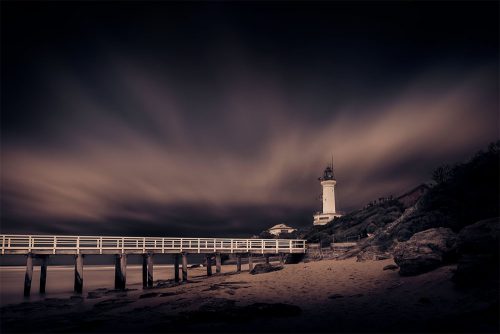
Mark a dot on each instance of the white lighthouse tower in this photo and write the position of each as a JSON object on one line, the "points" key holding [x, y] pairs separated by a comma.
{"points": [[328, 183]]}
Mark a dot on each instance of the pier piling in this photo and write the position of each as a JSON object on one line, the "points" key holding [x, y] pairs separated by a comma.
{"points": [[150, 270], [250, 262], [217, 263], [209, 265], [78, 287], [282, 259], [176, 268], [144, 270], [43, 272], [120, 271], [267, 258], [184, 267], [29, 275], [238, 262]]}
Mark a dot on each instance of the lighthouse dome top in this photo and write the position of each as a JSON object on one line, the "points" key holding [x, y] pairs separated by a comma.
{"points": [[327, 174]]}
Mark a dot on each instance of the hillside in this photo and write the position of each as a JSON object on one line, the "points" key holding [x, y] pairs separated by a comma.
{"points": [[463, 194], [357, 223]]}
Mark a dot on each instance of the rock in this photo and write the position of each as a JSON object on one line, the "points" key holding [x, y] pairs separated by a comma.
{"points": [[372, 253], [391, 267], [478, 249], [94, 295], [168, 294], [110, 304], [166, 284], [336, 296], [262, 268], [425, 251]]}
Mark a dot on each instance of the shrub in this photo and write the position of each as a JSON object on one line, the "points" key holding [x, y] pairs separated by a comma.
{"points": [[266, 235], [371, 228]]}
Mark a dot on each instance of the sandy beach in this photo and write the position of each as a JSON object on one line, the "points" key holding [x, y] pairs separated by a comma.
{"points": [[323, 296]]}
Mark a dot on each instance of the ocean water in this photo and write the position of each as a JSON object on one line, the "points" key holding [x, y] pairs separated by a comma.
{"points": [[60, 280], [60, 275]]}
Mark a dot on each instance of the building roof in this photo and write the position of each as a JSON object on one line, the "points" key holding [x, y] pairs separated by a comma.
{"points": [[280, 226]]}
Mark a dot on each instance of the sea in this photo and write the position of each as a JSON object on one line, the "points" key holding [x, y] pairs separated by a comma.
{"points": [[60, 280]]}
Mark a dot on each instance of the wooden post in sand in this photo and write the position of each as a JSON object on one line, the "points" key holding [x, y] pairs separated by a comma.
{"points": [[28, 275], [217, 263], [250, 262], [209, 264], [267, 258], [120, 271], [176, 268], [43, 273], [144, 270], [147, 270], [238, 262], [78, 286], [282, 259], [184, 267], [150, 270]]}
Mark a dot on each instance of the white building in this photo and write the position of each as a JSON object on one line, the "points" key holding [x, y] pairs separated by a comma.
{"points": [[329, 212], [281, 228]]}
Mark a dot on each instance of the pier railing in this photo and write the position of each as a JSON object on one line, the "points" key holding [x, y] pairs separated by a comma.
{"points": [[64, 244]]}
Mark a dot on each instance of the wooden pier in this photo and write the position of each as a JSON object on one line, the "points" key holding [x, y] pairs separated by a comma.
{"points": [[43, 246]]}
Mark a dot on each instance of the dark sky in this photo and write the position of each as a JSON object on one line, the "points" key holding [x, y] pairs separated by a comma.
{"points": [[215, 119]]}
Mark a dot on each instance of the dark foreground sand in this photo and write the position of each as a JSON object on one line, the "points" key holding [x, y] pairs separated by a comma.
{"points": [[324, 296]]}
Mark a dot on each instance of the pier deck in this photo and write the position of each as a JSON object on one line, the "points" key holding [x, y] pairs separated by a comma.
{"points": [[65, 244], [43, 246]]}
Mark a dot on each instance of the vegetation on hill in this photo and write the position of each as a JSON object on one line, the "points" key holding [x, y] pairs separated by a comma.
{"points": [[464, 194], [467, 192], [356, 224]]}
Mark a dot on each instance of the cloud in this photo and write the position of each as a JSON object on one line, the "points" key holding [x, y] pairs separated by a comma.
{"points": [[139, 152]]}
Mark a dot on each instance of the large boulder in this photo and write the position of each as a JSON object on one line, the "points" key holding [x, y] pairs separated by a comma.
{"points": [[263, 268], [425, 251], [478, 249]]}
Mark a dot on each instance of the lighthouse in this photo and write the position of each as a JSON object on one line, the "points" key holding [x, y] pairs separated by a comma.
{"points": [[329, 212]]}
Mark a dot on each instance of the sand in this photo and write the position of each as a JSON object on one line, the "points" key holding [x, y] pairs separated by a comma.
{"points": [[322, 296]]}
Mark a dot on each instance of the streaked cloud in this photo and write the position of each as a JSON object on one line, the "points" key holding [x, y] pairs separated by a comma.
{"points": [[138, 153]]}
